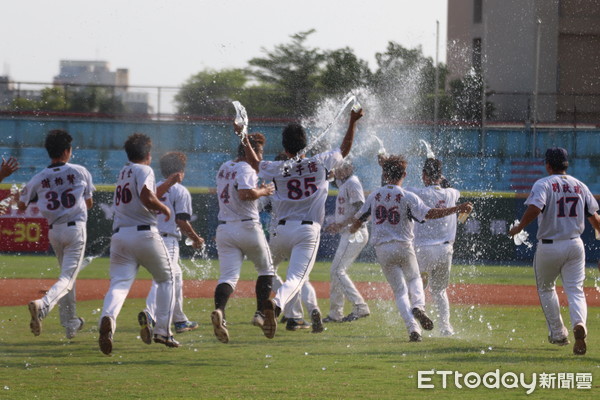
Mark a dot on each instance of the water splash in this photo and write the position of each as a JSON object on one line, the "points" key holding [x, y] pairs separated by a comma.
{"points": [[241, 118], [428, 151]]}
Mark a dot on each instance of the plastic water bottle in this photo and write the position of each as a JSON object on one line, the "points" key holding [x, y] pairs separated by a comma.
{"points": [[356, 237], [356, 107], [462, 217], [189, 242]]}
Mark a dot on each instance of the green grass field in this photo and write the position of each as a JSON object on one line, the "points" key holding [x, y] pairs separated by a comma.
{"points": [[19, 266], [369, 358]]}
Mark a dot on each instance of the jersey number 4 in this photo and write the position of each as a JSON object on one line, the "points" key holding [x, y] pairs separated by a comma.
{"points": [[562, 205]]}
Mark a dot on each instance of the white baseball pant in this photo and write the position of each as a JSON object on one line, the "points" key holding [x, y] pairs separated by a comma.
{"points": [[172, 244], [239, 238], [130, 248], [307, 295], [341, 285], [564, 258], [399, 265], [299, 243], [68, 242], [436, 261]]}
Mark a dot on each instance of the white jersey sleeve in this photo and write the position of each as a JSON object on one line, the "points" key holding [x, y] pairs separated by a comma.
{"points": [[350, 192], [436, 231], [301, 186], [129, 210], [565, 203], [179, 201], [60, 191], [231, 177]]}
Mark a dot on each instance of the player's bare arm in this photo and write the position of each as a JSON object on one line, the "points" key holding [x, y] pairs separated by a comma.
{"points": [[151, 202], [338, 226], [346, 145], [188, 230], [89, 203], [164, 187], [529, 216], [594, 220], [8, 167], [253, 194], [436, 213]]}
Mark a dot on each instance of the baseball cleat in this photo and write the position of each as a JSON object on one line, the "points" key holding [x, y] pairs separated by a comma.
{"points": [[415, 337], [71, 332], [330, 319], [294, 324], [258, 319], [106, 334], [219, 326], [354, 316], [580, 347], [559, 342], [317, 324], [270, 322], [168, 341], [185, 326], [146, 325], [36, 322], [424, 320]]}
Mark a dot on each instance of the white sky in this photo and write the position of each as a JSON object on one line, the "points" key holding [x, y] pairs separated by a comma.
{"points": [[163, 43]]}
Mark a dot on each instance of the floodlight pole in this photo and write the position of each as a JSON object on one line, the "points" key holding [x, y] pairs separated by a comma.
{"points": [[436, 100], [536, 87]]}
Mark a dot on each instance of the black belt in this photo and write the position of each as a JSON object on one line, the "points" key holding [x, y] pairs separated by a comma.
{"points": [[550, 241], [242, 220], [282, 222], [139, 228], [72, 223]]}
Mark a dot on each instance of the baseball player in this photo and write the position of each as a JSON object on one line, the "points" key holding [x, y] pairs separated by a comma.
{"points": [[349, 200], [179, 201], [293, 313], [240, 233], [434, 240], [63, 192], [561, 204], [393, 211], [300, 192], [136, 241]]}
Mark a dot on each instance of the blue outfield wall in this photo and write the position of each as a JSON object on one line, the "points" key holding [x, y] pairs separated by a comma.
{"points": [[499, 160], [489, 169]]}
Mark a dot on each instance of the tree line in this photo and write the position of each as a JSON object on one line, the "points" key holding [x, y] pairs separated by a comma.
{"points": [[290, 81]]}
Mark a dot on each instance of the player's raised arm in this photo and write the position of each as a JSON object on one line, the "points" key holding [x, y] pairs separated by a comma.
{"points": [[8, 167], [346, 145]]}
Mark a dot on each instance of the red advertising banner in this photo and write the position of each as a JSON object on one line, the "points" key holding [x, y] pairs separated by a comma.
{"points": [[23, 231]]}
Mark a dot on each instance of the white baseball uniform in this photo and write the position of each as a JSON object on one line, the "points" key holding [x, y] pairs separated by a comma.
{"points": [[179, 201], [136, 241], [565, 203], [308, 295], [239, 232], [349, 192], [434, 246], [393, 211], [301, 189], [60, 191]]}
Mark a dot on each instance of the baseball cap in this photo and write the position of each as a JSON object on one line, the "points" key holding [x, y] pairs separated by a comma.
{"points": [[556, 155]]}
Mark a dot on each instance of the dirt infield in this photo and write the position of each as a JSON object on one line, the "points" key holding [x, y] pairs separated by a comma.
{"points": [[20, 291]]}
